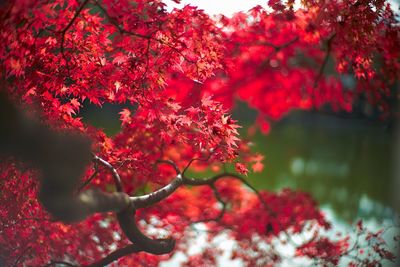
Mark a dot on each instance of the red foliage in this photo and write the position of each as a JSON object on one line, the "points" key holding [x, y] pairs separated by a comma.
{"points": [[183, 70]]}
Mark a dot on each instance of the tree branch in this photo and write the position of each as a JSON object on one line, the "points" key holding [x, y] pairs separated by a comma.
{"points": [[127, 221], [69, 208], [277, 48], [94, 200], [325, 61], [212, 180], [221, 201], [129, 227], [96, 171], [157, 196], [64, 31], [196, 159], [169, 162], [117, 179]]}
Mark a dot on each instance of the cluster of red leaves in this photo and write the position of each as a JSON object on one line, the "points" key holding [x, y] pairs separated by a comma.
{"points": [[297, 49], [183, 71]]}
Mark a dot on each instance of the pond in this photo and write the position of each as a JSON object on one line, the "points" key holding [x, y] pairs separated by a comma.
{"points": [[346, 164]]}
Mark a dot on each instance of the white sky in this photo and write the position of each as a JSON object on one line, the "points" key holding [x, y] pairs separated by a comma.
{"points": [[214, 7], [229, 7]]}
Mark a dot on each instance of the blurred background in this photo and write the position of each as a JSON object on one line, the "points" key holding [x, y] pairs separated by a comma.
{"points": [[346, 161]]}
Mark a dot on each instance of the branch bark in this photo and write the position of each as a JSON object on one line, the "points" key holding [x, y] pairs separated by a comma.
{"points": [[126, 216], [156, 196]]}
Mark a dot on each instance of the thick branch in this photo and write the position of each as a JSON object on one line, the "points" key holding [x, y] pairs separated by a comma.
{"points": [[157, 196], [61, 158], [132, 232], [67, 208], [127, 221]]}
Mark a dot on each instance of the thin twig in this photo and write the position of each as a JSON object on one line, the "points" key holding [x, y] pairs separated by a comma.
{"points": [[277, 48], [196, 159], [117, 178], [21, 255], [214, 179], [64, 31], [96, 171], [171, 163], [221, 201], [325, 61]]}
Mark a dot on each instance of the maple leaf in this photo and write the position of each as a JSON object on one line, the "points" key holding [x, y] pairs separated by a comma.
{"points": [[265, 127], [47, 96], [184, 120], [231, 141], [68, 108], [206, 101], [119, 59], [51, 41], [174, 106], [117, 85], [241, 168], [125, 116], [16, 67], [75, 103]]}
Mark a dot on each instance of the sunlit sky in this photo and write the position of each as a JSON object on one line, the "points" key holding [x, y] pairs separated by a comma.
{"points": [[229, 7], [214, 7]]}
